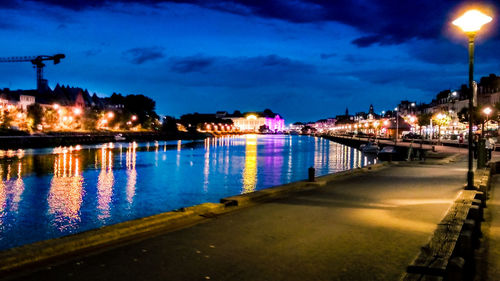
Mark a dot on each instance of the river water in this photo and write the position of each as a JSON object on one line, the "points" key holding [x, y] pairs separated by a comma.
{"points": [[48, 193]]}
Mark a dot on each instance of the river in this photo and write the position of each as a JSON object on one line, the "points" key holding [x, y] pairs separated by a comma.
{"points": [[49, 193]]}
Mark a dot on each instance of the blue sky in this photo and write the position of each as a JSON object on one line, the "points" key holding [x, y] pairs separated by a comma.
{"points": [[306, 59]]}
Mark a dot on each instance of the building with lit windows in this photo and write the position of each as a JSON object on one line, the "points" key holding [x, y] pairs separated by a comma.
{"points": [[266, 121]]}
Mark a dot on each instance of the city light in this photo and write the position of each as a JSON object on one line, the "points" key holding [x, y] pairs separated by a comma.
{"points": [[77, 111], [487, 111], [472, 21], [110, 115]]}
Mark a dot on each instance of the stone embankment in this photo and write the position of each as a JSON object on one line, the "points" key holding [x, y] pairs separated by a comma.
{"points": [[66, 139]]}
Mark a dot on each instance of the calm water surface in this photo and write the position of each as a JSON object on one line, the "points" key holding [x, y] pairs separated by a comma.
{"points": [[48, 193]]}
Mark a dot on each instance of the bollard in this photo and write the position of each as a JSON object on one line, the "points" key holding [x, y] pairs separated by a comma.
{"points": [[481, 154], [311, 171]]}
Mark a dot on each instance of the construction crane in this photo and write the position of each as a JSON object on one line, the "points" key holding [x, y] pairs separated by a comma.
{"points": [[37, 62]]}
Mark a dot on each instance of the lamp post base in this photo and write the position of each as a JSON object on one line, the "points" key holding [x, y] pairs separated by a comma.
{"points": [[470, 181]]}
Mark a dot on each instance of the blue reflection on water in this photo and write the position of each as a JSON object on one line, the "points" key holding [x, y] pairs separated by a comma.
{"points": [[48, 193]]}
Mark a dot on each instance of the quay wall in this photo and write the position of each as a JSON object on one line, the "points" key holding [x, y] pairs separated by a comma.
{"points": [[402, 151], [65, 139]]}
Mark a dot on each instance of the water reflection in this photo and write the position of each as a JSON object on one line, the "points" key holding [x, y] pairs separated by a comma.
{"points": [[250, 169], [105, 183], [66, 191], [11, 189], [131, 172]]}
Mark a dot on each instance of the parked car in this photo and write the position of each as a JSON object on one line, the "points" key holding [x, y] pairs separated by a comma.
{"points": [[412, 136]]}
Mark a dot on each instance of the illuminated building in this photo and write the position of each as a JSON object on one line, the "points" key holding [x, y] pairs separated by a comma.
{"points": [[252, 122]]}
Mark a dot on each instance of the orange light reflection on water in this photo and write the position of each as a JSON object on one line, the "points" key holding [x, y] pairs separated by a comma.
{"points": [[66, 191], [131, 172], [250, 169], [105, 183]]}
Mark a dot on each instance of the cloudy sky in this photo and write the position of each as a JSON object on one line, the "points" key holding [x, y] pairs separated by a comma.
{"points": [[306, 59]]}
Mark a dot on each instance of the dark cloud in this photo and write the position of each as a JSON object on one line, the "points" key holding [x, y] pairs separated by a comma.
{"points": [[366, 41], [190, 64], [142, 55], [238, 72], [384, 21], [430, 80], [199, 63], [325, 56]]}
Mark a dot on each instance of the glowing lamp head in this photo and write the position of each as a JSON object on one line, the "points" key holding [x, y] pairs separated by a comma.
{"points": [[77, 111], [134, 117], [487, 111], [472, 21], [110, 115]]}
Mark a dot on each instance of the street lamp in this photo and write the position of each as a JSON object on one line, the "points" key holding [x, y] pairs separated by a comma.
{"points": [[486, 111], [471, 22]]}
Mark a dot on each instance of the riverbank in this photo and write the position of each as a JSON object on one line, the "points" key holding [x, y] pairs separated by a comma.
{"points": [[67, 139], [327, 231]]}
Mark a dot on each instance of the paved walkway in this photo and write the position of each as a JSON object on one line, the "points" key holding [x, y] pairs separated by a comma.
{"points": [[367, 227], [489, 267]]}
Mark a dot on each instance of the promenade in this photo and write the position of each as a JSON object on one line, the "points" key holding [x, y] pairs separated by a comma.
{"points": [[367, 227]]}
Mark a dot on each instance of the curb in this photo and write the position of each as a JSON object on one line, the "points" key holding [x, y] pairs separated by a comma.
{"points": [[268, 194], [42, 251]]}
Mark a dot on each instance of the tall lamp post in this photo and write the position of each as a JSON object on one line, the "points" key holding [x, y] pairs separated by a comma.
{"points": [[471, 22], [397, 125]]}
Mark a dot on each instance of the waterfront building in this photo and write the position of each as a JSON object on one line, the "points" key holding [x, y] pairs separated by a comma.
{"points": [[25, 101], [254, 121]]}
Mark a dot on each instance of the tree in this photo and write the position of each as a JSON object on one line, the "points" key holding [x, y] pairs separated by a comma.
{"points": [[441, 120], [35, 113], [268, 112], [91, 118], [6, 120], [263, 129], [169, 125], [477, 117], [143, 107], [424, 120]]}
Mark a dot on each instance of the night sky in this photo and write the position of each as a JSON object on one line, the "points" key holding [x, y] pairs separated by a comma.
{"points": [[306, 59]]}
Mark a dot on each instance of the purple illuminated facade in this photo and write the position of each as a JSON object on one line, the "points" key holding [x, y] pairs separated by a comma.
{"points": [[253, 121], [276, 124]]}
